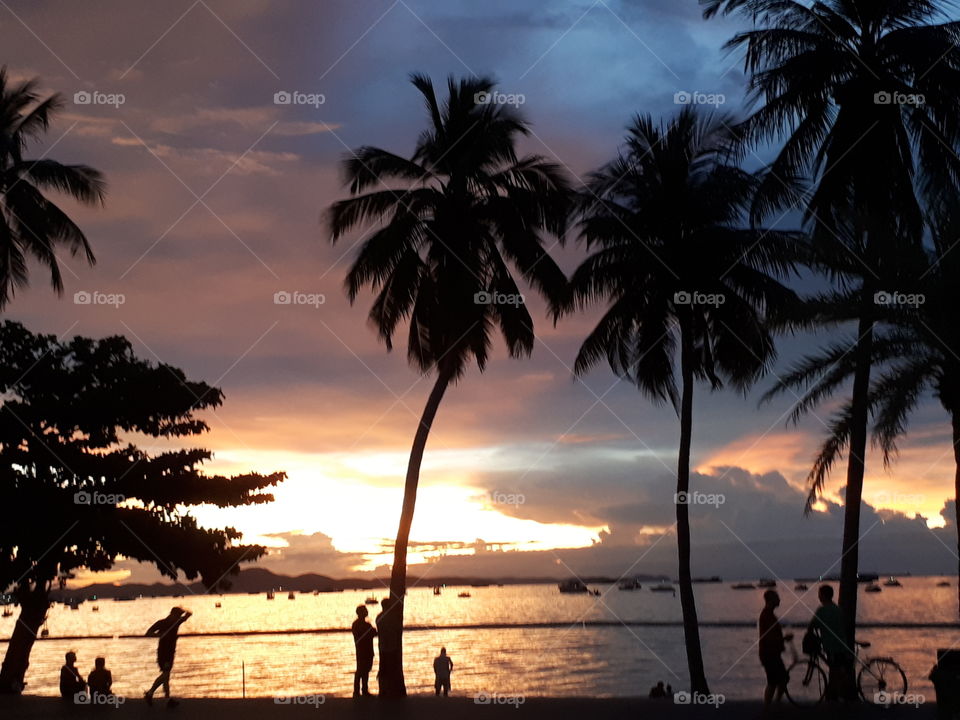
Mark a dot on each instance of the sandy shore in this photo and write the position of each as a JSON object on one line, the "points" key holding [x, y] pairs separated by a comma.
{"points": [[427, 708]]}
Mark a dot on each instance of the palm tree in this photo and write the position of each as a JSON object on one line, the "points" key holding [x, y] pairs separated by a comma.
{"points": [[678, 271], [30, 224], [866, 93], [918, 352], [449, 220]]}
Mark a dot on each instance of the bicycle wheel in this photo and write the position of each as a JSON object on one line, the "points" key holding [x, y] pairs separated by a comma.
{"points": [[881, 680], [807, 683]]}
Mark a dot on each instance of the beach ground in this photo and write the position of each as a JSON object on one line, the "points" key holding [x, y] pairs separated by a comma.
{"points": [[428, 708]]}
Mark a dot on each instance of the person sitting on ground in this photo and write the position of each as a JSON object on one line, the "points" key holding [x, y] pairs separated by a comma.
{"points": [[658, 691], [71, 683], [100, 680], [771, 649], [442, 666]]}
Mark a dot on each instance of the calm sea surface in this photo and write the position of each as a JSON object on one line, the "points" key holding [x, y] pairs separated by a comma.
{"points": [[572, 659]]}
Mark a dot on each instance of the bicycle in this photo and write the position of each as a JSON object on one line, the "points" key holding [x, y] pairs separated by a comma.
{"points": [[879, 678]]}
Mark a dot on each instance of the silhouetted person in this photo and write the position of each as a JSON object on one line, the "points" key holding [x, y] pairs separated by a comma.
{"points": [[71, 682], [363, 634], [827, 623], [658, 691], [442, 667], [100, 680], [167, 630], [771, 649], [389, 637]]}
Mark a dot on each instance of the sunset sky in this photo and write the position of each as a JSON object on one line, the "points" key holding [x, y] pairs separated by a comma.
{"points": [[215, 201]]}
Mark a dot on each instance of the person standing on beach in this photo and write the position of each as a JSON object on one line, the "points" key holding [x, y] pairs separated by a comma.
{"points": [[827, 623], [442, 666], [771, 649], [71, 681], [167, 630], [363, 634]]}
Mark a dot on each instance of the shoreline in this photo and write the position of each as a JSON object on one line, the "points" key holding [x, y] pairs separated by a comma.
{"points": [[414, 707]]}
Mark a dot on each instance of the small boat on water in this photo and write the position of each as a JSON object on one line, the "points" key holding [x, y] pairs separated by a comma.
{"points": [[711, 579], [218, 605], [873, 588], [943, 583], [663, 587], [436, 590], [632, 584], [371, 601], [572, 586], [95, 608], [291, 596], [463, 595], [7, 612], [766, 583], [743, 586], [892, 582], [801, 587]]}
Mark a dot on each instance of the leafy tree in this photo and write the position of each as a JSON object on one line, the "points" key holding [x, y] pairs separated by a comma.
{"points": [[30, 224], [865, 95], [682, 279], [449, 220], [78, 493]]}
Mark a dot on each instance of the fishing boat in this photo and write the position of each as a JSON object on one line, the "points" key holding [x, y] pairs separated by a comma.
{"points": [[892, 582], [572, 586], [743, 586], [371, 600], [463, 595], [873, 588], [663, 587], [633, 584], [766, 583], [943, 583], [711, 579]]}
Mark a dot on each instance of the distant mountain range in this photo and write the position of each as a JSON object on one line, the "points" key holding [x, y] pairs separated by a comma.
{"points": [[260, 580]]}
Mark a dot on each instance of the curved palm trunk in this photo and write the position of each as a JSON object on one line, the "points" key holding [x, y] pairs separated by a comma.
{"points": [[688, 605], [33, 611], [955, 419], [391, 664], [850, 557]]}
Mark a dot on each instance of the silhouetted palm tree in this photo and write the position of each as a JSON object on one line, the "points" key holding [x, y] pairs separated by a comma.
{"points": [[918, 351], [30, 224], [451, 220], [679, 272], [866, 93]]}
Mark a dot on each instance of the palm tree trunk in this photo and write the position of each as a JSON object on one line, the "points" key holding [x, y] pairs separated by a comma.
{"points": [[955, 419], [391, 664], [850, 557], [688, 605], [33, 611]]}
